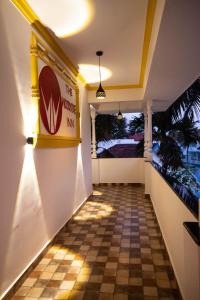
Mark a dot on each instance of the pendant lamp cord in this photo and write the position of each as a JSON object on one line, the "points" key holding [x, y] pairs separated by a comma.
{"points": [[99, 70]]}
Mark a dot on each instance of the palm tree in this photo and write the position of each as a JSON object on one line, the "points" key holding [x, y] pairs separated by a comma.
{"points": [[119, 131], [169, 151], [188, 103], [109, 127], [170, 154], [187, 133], [136, 124], [140, 148], [105, 125], [161, 123]]}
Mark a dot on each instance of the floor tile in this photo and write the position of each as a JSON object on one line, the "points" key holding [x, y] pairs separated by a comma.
{"points": [[112, 249]]}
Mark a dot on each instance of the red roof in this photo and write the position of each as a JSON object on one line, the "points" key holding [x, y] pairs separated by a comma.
{"points": [[122, 150], [137, 137]]}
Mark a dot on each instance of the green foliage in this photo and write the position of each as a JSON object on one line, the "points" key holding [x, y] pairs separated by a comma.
{"points": [[170, 135], [186, 133], [170, 154], [105, 125], [173, 128], [188, 102], [140, 148], [136, 124], [176, 127], [186, 177], [109, 127], [120, 129]]}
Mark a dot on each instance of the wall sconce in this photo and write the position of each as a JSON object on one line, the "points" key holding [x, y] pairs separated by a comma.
{"points": [[30, 140]]}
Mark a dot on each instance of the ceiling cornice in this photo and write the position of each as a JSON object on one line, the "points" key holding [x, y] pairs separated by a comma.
{"points": [[36, 23], [146, 43]]}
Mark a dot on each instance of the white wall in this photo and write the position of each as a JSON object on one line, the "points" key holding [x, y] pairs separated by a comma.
{"points": [[40, 189], [183, 252], [118, 170]]}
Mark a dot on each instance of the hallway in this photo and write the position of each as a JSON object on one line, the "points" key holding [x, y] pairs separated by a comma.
{"points": [[111, 249]]}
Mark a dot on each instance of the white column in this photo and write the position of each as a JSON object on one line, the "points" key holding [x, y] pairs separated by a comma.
{"points": [[149, 131], [145, 133], [93, 117]]}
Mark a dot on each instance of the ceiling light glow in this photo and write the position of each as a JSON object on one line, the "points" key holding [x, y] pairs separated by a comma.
{"points": [[64, 17], [91, 73]]}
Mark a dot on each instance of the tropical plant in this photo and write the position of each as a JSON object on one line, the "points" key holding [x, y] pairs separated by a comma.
{"points": [[136, 124], [104, 127], [187, 133], [109, 127], [140, 148], [161, 124], [170, 154], [188, 103], [120, 129], [176, 127]]}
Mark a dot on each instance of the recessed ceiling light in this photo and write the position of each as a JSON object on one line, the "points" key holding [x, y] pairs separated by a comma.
{"points": [[91, 73]]}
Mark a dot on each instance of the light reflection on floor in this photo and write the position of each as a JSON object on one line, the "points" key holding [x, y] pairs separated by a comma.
{"points": [[112, 249], [97, 193], [94, 210]]}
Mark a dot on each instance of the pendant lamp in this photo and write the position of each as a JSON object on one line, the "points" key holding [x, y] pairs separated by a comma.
{"points": [[100, 93], [119, 116]]}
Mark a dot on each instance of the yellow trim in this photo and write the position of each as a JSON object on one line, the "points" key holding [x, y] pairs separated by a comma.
{"points": [[116, 87], [42, 142], [39, 50], [33, 19], [147, 38], [57, 137], [29, 14], [51, 141], [82, 80], [34, 81], [77, 113]]}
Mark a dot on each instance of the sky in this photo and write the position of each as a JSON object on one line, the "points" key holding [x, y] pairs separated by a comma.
{"points": [[130, 116]]}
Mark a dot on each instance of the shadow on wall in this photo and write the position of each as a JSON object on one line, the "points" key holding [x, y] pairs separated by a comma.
{"points": [[11, 148], [72, 254], [38, 187], [51, 186], [27, 203], [84, 167], [48, 193], [41, 188]]}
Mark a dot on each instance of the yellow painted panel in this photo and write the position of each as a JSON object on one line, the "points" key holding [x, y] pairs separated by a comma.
{"points": [[39, 50]]}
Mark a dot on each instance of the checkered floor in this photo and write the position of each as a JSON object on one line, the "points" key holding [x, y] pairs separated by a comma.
{"points": [[112, 249]]}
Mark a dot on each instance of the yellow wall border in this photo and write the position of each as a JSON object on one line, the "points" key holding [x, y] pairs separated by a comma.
{"points": [[33, 19], [29, 14], [147, 38], [39, 50]]}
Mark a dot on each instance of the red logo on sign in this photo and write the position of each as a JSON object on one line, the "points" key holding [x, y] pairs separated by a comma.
{"points": [[50, 100]]}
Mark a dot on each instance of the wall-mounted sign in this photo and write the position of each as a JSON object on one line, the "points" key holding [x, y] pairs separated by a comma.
{"points": [[56, 97]]}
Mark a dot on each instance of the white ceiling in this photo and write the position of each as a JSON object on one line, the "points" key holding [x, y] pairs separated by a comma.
{"points": [[125, 107], [116, 26], [176, 60], [175, 64]]}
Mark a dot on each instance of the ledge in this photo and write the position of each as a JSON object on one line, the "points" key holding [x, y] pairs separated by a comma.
{"points": [[195, 214], [194, 231]]}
